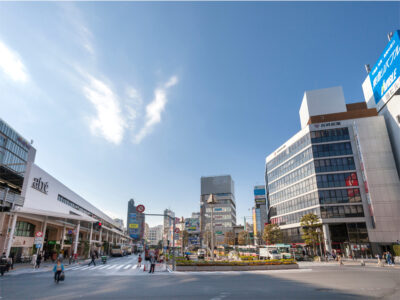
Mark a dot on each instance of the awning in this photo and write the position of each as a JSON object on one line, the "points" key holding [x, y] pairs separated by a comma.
{"points": [[47, 213]]}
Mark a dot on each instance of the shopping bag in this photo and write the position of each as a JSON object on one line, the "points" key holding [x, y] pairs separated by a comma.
{"points": [[62, 276]]}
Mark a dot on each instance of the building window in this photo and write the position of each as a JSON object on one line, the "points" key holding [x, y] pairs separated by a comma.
{"points": [[337, 180], [330, 135], [339, 196], [336, 149], [347, 211], [334, 164], [24, 229]]}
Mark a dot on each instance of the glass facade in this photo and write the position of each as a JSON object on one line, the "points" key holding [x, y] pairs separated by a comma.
{"points": [[317, 174], [13, 149], [24, 229]]}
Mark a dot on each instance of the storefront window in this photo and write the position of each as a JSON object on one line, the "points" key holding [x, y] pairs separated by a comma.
{"points": [[24, 229]]}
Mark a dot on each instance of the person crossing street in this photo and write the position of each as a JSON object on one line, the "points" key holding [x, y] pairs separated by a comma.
{"points": [[93, 256], [58, 269], [139, 261]]}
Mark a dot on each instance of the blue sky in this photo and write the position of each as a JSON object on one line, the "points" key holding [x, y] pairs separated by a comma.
{"points": [[140, 100]]}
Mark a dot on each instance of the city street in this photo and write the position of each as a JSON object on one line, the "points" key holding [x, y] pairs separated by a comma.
{"points": [[121, 279]]}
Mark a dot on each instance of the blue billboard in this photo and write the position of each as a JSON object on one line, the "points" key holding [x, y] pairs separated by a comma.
{"points": [[133, 226], [259, 192], [385, 72]]}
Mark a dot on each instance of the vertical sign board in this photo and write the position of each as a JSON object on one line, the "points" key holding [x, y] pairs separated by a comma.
{"points": [[385, 74], [133, 226]]}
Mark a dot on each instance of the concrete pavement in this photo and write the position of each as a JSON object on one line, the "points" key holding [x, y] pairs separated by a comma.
{"points": [[310, 282]]}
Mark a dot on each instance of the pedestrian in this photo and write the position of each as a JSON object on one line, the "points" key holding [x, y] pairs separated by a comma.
{"points": [[58, 269], [93, 255], [389, 258], [139, 261], [33, 262], [340, 260], [11, 257], [152, 264], [97, 253], [38, 260]]}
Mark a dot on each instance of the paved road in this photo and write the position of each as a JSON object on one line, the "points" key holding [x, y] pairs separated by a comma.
{"points": [[123, 282]]}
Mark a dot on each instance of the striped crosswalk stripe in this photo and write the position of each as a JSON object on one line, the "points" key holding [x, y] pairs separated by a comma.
{"points": [[110, 267], [134, 267], [75, 268], [103, 267], [126, 267], [119, 267]]}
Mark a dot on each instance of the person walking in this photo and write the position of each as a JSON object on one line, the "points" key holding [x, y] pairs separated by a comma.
{"points": [[389, 258], [58, 269], [139, 260], [33, 262], [38, 260], [93, 255], [152, 264]]}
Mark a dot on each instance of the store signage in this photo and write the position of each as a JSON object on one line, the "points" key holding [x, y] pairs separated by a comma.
{"points": [[324, 125], [386, 72], [133, 225], [260, 201], [40, 185]]}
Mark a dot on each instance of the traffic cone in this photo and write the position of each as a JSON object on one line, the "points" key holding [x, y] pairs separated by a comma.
{"points": [[144, 268]]}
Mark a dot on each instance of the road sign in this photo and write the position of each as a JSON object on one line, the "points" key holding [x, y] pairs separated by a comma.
{"points": [[38, 240], [177, 230], [39, 234], [38, 245], [140, 208]]}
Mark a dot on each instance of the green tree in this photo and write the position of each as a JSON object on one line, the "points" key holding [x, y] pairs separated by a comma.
{"points": [[310, 224], [229, 238], [243, 238], [272, 234]]}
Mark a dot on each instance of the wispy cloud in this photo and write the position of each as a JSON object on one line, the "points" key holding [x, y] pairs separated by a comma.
{"points": [[11, 64], [109, 122], [155, 108]]}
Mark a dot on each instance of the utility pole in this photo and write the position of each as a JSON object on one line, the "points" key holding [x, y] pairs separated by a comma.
{"points": [[211, 202]]}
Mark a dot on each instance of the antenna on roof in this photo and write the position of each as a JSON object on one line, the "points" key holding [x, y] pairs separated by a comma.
{"points": [[367, 68]]}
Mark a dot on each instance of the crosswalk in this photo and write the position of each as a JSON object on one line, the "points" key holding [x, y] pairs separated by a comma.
{"points": [[114, 269]]}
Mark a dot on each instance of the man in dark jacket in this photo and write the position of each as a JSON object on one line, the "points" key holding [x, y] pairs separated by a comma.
{"points": [[152, 263], [93, 255]]}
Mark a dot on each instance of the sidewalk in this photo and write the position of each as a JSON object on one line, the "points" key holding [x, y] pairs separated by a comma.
{"points": [[347, 262]]}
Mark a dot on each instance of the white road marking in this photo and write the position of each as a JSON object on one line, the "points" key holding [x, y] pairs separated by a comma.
{"points": [[75, 268], [110, 267], [119, 267], [103, 267], [134, 267], [126, 267]]}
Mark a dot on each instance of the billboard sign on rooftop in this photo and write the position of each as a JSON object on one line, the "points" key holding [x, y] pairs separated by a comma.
{"points": [[385, 74]]}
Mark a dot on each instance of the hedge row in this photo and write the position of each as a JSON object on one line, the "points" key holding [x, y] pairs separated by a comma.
{"points": [[236, 263]]}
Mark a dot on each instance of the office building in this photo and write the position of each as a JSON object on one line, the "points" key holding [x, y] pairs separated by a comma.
{"points": [[259, 212], [224, 209], [382, 91], [192, 226], [135, 222], [339, 166], [155, 235]]}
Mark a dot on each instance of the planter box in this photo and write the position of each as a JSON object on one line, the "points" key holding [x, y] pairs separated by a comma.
{"points": [[235, 268]]}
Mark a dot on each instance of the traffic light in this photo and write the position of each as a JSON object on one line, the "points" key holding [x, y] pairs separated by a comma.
{"points": [[97, 226]]}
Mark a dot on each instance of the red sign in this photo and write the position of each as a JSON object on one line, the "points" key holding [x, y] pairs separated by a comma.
{"points": [[39, 234], [177, 230], [140, 208]]}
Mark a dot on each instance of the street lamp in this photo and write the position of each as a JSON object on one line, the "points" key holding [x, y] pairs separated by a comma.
{"points": [[211, 201], [319, 240]]}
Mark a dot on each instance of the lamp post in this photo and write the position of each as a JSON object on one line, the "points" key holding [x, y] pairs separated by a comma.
{"points": [[319, 240], [211, 201]]}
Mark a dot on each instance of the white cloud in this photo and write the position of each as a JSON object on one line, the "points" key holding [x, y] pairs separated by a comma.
{"points": [[11, 64], [109, 121], [155, 108]]}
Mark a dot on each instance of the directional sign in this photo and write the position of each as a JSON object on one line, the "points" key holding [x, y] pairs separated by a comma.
{"points": [[177, 230], [38, 240], [39, 234], [140, 208], [38, 245]]}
